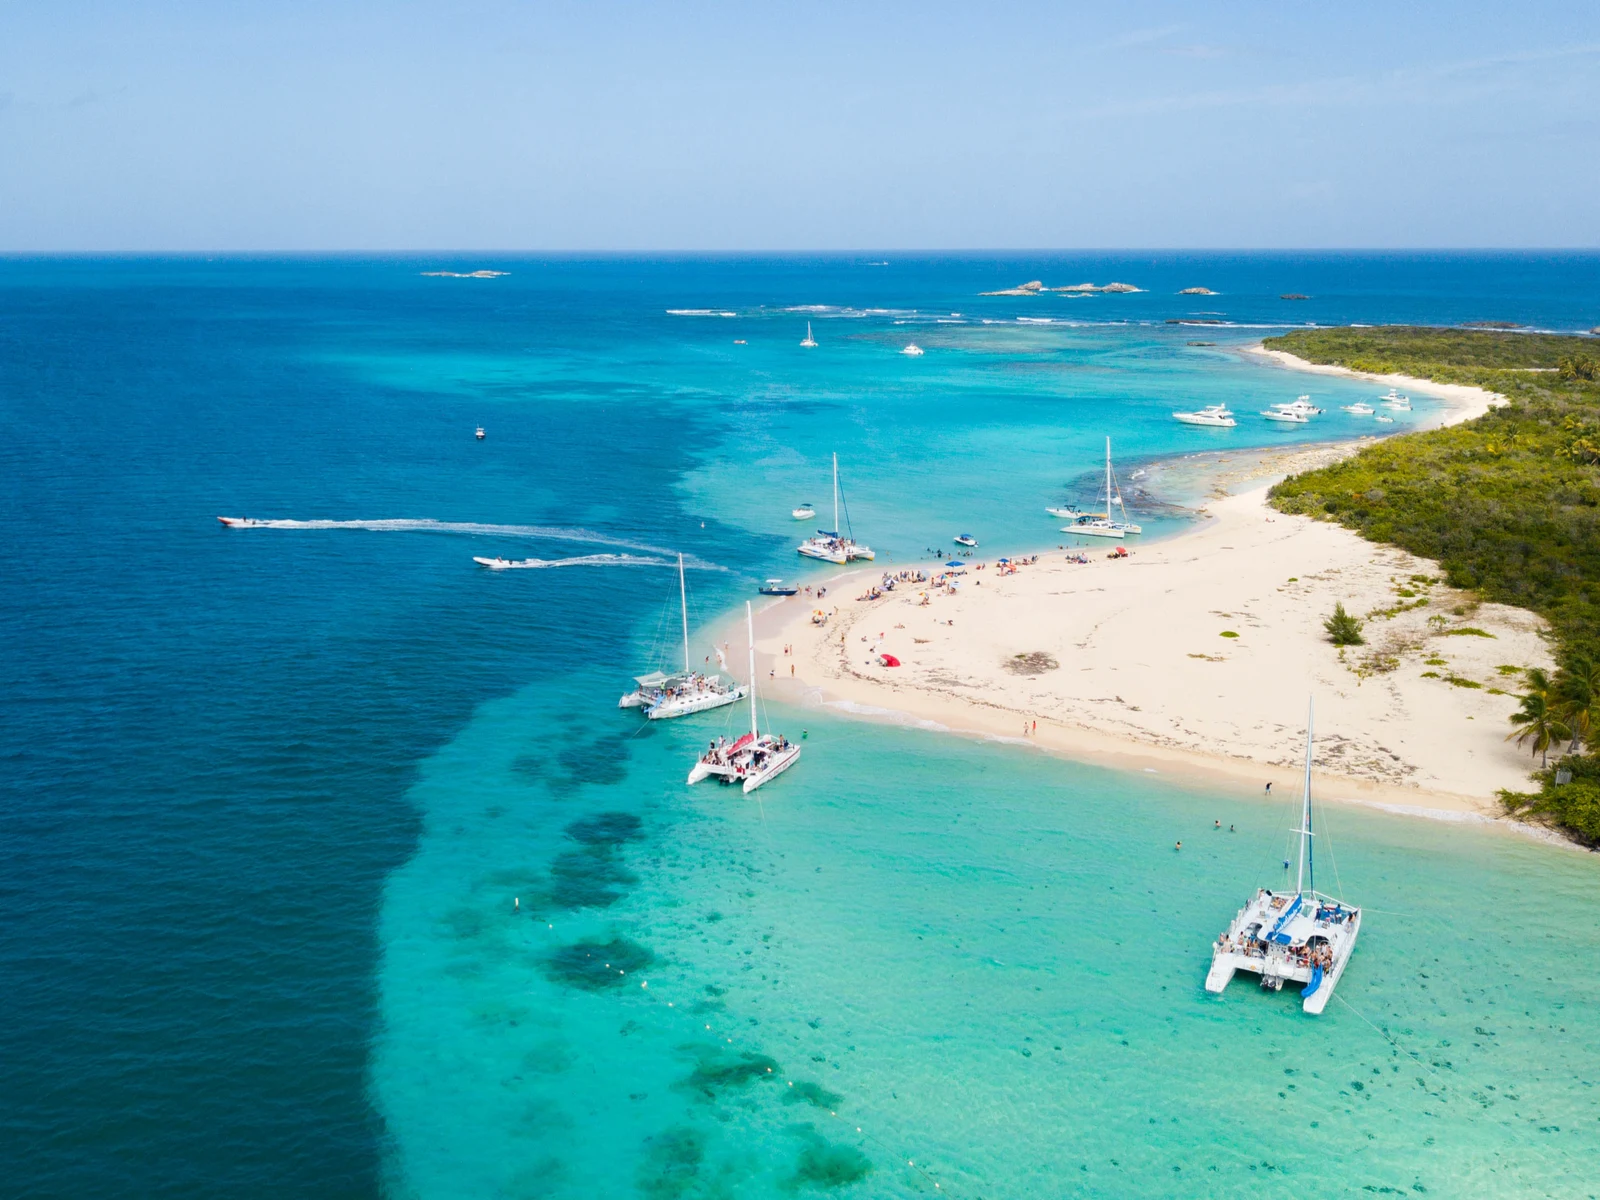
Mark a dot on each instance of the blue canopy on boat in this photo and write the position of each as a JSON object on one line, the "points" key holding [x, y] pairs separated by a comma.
{"points": [[828, 533]]}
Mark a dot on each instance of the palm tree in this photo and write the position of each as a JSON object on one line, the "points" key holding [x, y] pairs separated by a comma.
{"points": [[1537, 719], [1576, 697]]}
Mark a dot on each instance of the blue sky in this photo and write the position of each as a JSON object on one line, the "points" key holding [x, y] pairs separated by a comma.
{"points": [[492, 123]]}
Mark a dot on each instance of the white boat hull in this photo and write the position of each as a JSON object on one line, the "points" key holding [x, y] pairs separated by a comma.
{"points": [[775, 766], [1197, 419], [683, 706], [833, 556], [1277, 963], [1104, 531]]}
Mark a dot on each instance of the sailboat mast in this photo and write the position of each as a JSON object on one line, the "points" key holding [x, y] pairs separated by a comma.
{"points": [[1108, 479], [1305, 818], [750, 622], [836, 493], [683, 596]]}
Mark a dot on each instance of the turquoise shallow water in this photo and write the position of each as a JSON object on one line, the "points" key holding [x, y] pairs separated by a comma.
{"points": [[965, 957], [317, 840]]}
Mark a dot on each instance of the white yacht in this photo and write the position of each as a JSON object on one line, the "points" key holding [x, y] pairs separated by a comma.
{"points": [[1303, 936], [914, 350], [810, 341], [829, 544], [1394, 398], [804, 513], [756, 757], [1285, 414], [1360, 409], [966, 539], [1216, 415], [1101, 524], [480, 433], [663, 696]]}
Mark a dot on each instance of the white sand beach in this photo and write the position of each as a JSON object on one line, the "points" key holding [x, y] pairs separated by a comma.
{"points": [[1194, 656], [1463, 402]]}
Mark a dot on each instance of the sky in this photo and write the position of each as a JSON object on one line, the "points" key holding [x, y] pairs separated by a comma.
{"points": [[513, 124]]}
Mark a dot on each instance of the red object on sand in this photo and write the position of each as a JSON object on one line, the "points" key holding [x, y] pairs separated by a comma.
{"points": [[889, 660]]}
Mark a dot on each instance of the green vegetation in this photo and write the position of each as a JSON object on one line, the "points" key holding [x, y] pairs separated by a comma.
{"points": [[1227, 633], [1343, 629], [1509, 504]]}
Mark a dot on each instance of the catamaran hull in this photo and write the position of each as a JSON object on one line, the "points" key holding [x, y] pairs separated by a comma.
{"points": [[1092, 531], [772, 770], [632, 700], [683, 706], [1225, 965], [835, 557]]}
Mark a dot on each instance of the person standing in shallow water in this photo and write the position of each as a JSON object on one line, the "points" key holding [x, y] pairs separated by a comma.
{"points": [[1269, 788]]}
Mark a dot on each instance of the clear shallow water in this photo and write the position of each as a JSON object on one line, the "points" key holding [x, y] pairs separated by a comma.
{"points": [[267, 794]]}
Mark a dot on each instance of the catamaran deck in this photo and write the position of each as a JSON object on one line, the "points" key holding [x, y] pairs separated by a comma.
{"points": [[1288, 937]]}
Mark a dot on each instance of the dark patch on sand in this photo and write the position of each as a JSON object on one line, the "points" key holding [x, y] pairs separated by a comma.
{"points": [[589, 878], [814, 1094], [825, 1164]]}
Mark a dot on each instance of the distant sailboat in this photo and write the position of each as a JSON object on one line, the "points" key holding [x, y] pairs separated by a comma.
{"points": [[810, 341]]}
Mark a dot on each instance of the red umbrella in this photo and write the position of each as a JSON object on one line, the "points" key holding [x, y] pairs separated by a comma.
{"points": [[889, 660]]}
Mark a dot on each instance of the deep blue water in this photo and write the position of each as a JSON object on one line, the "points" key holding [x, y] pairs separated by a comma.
{"points": [[213, 741]]}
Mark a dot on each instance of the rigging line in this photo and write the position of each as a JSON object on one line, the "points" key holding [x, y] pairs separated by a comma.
{"points": [[1385, 1034], [848, 528], [1327, 840]]}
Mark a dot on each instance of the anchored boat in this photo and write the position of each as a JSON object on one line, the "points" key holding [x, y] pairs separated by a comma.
{"points": [[829, 544], [1098, 525], [663, 696], [755, 758], [1301, 936]]}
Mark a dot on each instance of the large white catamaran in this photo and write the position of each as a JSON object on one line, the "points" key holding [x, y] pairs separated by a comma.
{"points": [[829, 544], [677, 695], [755, 757], [1101, 525], [1301, 936]]}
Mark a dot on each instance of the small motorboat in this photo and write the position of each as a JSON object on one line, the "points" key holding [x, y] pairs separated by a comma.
{"points": [[1360, 409], [240, 522], [480, 434], [1068, 513], [914, 350], [505, 564], [777, 587], [804, 513], [966, 539], [740, 342], [1384, 419]]}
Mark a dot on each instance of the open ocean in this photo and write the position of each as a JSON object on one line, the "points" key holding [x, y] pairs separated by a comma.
{"points": [[315, 841]]}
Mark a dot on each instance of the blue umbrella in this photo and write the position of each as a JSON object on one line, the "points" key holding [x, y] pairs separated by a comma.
{"points": [[955, 562]]}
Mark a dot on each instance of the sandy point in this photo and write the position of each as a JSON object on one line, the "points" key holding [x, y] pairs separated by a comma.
{"points": [[1194, 657]]}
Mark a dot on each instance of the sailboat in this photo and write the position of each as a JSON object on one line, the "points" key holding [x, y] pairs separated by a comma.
{"points": [[756, 757], [1101, 525], [1303, 936], [663, 696], [829, 544], [810, 341]]}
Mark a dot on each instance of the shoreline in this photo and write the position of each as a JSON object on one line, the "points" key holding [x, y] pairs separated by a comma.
{"points": [[1218, 712], [1465, 402]]}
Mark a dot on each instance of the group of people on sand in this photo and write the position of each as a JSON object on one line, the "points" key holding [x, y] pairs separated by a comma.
{"points": [[819, 591]]}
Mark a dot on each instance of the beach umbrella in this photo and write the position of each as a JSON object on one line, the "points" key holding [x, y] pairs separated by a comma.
{"points": [[998, 561], [955, 562], [889, 660]]}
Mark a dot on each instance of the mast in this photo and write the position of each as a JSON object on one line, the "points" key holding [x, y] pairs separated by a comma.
{"points": [[836, 493], [1305, 820], [1108, 479], [750, 621], [683, 596]]}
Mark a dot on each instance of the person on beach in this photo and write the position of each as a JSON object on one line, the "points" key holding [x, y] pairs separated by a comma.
{"points": [[1269, 789]]}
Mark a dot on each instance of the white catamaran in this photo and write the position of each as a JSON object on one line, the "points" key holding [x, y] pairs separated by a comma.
{"points": [[1303, 936], [1101, 525], [829, 544], [662, 696], [756, 757]]}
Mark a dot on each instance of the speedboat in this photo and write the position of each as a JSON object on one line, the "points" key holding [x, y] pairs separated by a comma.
{"points": [[502, 564], [1384, 419], [1303, 936], [479, 434], [777, 587], [966, 539], [804, 513], [1212, 414], [755, 758], [241, 522], [1069, 512], [810, 341], [914, 350], [1360, 409]]}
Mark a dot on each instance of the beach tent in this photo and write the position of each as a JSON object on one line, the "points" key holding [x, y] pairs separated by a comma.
{"points": [[889, 660]]}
